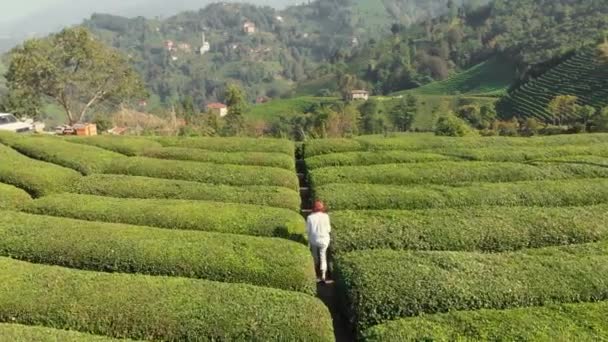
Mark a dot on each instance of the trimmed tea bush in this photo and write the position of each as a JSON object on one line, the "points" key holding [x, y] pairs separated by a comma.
{"points": [[175, 214], [82, 158], [382, 285], [12, 197], [488, 229], [148, 188], [523, 154], [573, 192], [449, 173], [130, 146], [278, 160], [222, 257], [567, 322], [204, 172], [232, 144], [326, 146], [157, 308], [24, 333], [36, 177], [373, 158]]}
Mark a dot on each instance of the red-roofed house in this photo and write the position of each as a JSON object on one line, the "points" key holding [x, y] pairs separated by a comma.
{"points": [[218, 109]]}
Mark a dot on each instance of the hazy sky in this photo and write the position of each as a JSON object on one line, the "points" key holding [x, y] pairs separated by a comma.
{"points": [[16, 9]]}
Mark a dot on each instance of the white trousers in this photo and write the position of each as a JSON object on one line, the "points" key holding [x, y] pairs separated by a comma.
{"points": [[319, 253]]}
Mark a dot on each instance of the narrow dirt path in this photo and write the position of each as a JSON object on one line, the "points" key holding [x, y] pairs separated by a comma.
{"points": [[327, 293]]}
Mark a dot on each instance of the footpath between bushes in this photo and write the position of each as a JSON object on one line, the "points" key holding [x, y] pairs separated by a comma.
{"points": [[327, 292]]}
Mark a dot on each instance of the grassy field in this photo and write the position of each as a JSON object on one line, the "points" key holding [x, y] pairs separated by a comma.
{"points": [[272, 110], [491, 242]]}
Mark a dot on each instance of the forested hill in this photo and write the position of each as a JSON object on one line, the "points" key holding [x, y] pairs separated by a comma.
{"points": [[526, 33], [290, 46]]}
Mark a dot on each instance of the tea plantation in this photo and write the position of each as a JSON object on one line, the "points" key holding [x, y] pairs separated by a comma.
{"points": [[443, 239], [202, 239], [108, 239]]}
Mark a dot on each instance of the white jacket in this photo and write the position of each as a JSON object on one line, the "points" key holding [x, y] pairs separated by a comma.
{"points": [[318, 229]]}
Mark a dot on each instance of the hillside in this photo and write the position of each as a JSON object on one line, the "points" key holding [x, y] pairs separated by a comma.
{"points": [[584, 75]]}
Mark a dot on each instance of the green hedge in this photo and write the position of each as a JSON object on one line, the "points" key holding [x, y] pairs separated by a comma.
{"points": [[487, 229], [221, 257], [449, 173], [567, 322], [130, 146], [204, 172], [382, 285], [232, 144], [373, 158], [572, 192], [36, 177], [523, 154], [148, 188], [174, 214], [413, 142], [278, 160], [82, 158], [12, 197], [24, 333], [157, 308]]}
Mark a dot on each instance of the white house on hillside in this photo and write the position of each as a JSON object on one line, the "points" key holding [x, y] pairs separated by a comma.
{"points": [[358, 95], [249, 27], [218, 109]]}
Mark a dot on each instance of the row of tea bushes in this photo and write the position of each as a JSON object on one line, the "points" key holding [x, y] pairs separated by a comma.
{"points": [[231, 144], [24, 333], [450, 173], [203, 172], [35, 177], [82, 158], [175, 214], [373, 158], [566, 322], [12, 197], [486, 229], [550, 193], [157, 308], [383, 285], [417, 142], [150, 188], [134, 146], [109, 247]]}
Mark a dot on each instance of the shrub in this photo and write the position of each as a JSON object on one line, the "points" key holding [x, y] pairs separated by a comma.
{"points": [[373, 158], [82, 158], [212, 256], [452, 126], [232, 144], [204, 172], [566, 322], [278, 160], [448, 173], [36, 177], [522, 154], [157, 308], [487, 229], [575, 192], [383, 285], [130, 146], [23, 333], [174, 214], [12, 197], [149, 188], [326, 146]]}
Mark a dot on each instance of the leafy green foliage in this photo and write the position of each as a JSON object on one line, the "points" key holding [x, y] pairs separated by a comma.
{"points": [[547, 193], [130, 146], [220, 257], [383, 285], [151, 188], [374, 158], [484, 229], [12, 197], [23, 333], [74, 70], [174, 214], [36, 177], [450, 125], [232, 144], [568, 322], [186, 309], [203, 172]]}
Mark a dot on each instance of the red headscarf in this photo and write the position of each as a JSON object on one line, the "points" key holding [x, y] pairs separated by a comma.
{"points": [[318, 207]]}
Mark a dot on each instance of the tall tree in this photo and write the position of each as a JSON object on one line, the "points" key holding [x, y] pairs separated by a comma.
{"points": [[74, 70], [404, 113], [235, 100], [562, 108]]}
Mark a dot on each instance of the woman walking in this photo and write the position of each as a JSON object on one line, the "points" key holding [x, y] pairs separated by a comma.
{"points": [[318, 228]]}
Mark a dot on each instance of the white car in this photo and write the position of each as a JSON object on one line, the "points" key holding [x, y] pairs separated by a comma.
{"points": [[8, 122]]}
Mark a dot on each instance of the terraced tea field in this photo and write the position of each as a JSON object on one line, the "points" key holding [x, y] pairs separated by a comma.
{"points": [[442, 239]]}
